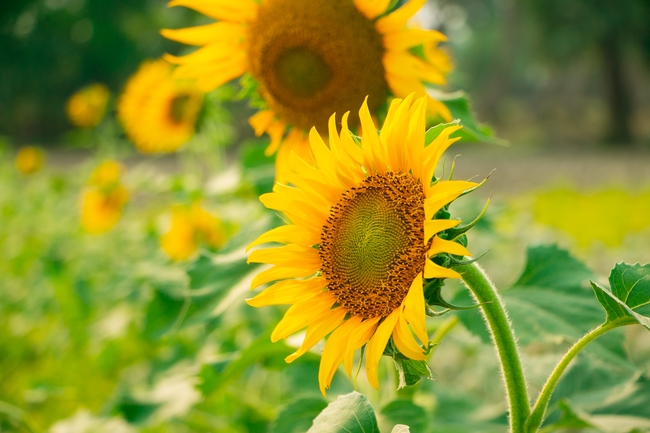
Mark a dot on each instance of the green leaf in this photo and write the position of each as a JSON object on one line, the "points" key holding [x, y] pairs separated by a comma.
{"points": [[349, 413], [458, 105], [297, 416], [257, 168], [433, 132], [216, 375], [402, 411], [216, 281], [411, 371], [629, 297], [550, 266], [401, 428], [551, 302]]}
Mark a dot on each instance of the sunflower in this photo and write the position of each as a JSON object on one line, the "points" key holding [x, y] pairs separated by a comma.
{"points": [[103, 198], [86, 108], [360, 240], [191, 226], [29, 159], [311, 59], [159, 112]]}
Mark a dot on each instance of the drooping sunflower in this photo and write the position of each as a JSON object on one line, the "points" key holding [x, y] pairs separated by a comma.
{"points": [[29, 159], [159, 112], [103, 198], [86, 108], [311, 59], [361, 235], [191, 226]]}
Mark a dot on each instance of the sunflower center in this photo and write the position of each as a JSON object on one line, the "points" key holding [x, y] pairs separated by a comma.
{"points": [[302, 72], [313, 59], [178, 108], [372, 246]]}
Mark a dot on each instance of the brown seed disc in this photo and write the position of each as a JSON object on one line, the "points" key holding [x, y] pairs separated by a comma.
{"points": [[372, 245], [315, 58]]}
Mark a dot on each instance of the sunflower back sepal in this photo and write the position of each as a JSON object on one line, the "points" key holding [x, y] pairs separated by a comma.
{"points": [[409, 371], [456, 232], [433, 297]]}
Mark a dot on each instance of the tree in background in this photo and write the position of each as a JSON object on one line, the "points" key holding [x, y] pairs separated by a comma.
{"points": [[51, 48], [569, 29]]}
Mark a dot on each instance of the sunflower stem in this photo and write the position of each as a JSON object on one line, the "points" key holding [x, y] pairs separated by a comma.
{"points": [[503, 337], [537, 415]]}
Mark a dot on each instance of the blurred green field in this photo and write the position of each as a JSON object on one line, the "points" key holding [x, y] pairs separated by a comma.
{"points": [[105, 333]]}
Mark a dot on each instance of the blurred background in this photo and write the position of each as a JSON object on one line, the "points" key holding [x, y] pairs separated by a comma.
{"points": [[109, 332], [541, 72]]}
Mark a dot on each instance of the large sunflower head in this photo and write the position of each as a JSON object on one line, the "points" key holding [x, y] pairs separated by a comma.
{"points": [[159, 112], [86, 107], [311, 59], [364, 227]]}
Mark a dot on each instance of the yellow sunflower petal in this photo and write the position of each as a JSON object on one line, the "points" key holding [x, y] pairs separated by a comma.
{"points": [[302, 314], [397, 20], [288, 255], [277, 273], [372, 147], [377, 344], [261, 121], [405, 342], [444, 246], [442, 193], [431, 227], [220, 32], [239, 11], [431, 270], [414, 310], [334, 352], [371, 9], [288, 292], [289, 234], [318, 330], [408, 38], [358, 337]]}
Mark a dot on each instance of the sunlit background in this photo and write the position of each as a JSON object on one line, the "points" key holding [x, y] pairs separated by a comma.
{"points": [[96, 330]]}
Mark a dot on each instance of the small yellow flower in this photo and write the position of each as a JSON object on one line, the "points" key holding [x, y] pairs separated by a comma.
{"points": [[103, 198], [29, 159], [190, 227], [87, 107], [361, 237], [311, 59], [157, 111]]}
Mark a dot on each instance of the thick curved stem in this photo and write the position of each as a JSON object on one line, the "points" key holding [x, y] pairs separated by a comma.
{"points": [[504, 339], [537, 415]]}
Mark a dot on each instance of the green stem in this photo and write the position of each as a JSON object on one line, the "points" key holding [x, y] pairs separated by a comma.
{"points": [[504, 339], [537, 415]]}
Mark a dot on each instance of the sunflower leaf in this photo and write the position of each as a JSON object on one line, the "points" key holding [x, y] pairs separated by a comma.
{"points": [[433, 132], [459, 106], [629, 297], [350, 413], [297, 416], [401, 428]]}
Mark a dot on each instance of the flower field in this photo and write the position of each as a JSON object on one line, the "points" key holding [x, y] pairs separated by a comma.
{"points": [[276, 216]]}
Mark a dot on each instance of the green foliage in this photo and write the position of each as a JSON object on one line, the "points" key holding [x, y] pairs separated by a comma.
{"points": [[629, 298], [350, 413], [297, 416], [404, 412], [459, 106]]}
